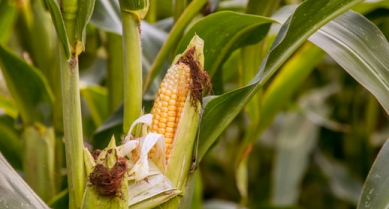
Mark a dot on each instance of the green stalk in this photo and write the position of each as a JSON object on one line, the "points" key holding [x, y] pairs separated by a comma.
{"points": [[72, 122], [151, 16], [38, 159], [172, 40], [72, 129], [133, 11], [132, 69], [115, 71], [178, 8]]}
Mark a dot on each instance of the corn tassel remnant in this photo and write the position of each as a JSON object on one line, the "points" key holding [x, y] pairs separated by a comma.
{"points": [[183, 78]]}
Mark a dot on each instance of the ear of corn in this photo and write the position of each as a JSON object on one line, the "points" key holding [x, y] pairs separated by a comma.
{"points": [[172, 127], [176, 112], [182, 85]]}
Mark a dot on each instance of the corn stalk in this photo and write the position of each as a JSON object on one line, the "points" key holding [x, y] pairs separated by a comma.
{"points": [[133, 11]]}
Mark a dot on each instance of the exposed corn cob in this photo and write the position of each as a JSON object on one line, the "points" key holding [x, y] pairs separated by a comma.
{"points": [[183, 83], [170, 102]]}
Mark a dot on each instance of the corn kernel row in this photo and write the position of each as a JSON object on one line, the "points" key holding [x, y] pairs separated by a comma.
{"points": [[169, 104]]}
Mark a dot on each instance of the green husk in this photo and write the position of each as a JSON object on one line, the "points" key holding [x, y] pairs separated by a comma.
{"points": [[153, 192], [182, 161], [92, 198]]}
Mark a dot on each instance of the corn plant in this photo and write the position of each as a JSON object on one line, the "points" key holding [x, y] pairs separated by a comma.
{"points": [[193, 104]]}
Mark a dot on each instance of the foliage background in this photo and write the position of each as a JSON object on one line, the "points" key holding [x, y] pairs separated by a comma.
{"points": [[316, 153]]}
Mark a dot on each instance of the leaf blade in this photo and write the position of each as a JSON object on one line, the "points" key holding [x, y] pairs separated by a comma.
{"points": [[29, 88], [361, 49], [15, 191], [59, 25], [84, 13], [292, 35], [232, 29], [375, 190]]}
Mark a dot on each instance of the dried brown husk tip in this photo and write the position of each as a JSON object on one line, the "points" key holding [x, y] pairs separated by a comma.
{"points": [[201, 83]]}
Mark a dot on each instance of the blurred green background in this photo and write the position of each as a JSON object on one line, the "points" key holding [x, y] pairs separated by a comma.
{"points": [[316, 153]]}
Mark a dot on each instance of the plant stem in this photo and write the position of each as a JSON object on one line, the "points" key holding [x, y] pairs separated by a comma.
{"points": [[72, 122], [115, 71], [72, 129], [132, 69], [151, 16], [39, 159], [178, 8], [172, 40]]}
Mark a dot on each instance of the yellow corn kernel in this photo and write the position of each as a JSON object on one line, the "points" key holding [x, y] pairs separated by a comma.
{"points": [[169, 104]]}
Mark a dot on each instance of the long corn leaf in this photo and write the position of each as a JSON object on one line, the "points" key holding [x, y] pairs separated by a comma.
{"points": [[8, 15], [84, 14], [59, 25], [15, 193], [10, 144], [361, 49], [29, 89], [234, 30], [376, 189], [291, 36]]}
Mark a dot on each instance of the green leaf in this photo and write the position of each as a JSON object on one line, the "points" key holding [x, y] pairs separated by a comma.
{"points": [[294, 144], [361, 49], [8, 105], [222, 109], [59, 25], [197, 198], [340, 177], [369, 6], [8, 14], [292, 35], [241, 173], [84, 13], [10, 143], [96, 99], [106, 16], [293, 73], [376, 190], [15, 193], [28, 87], [234, 30], [60, 201]]}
